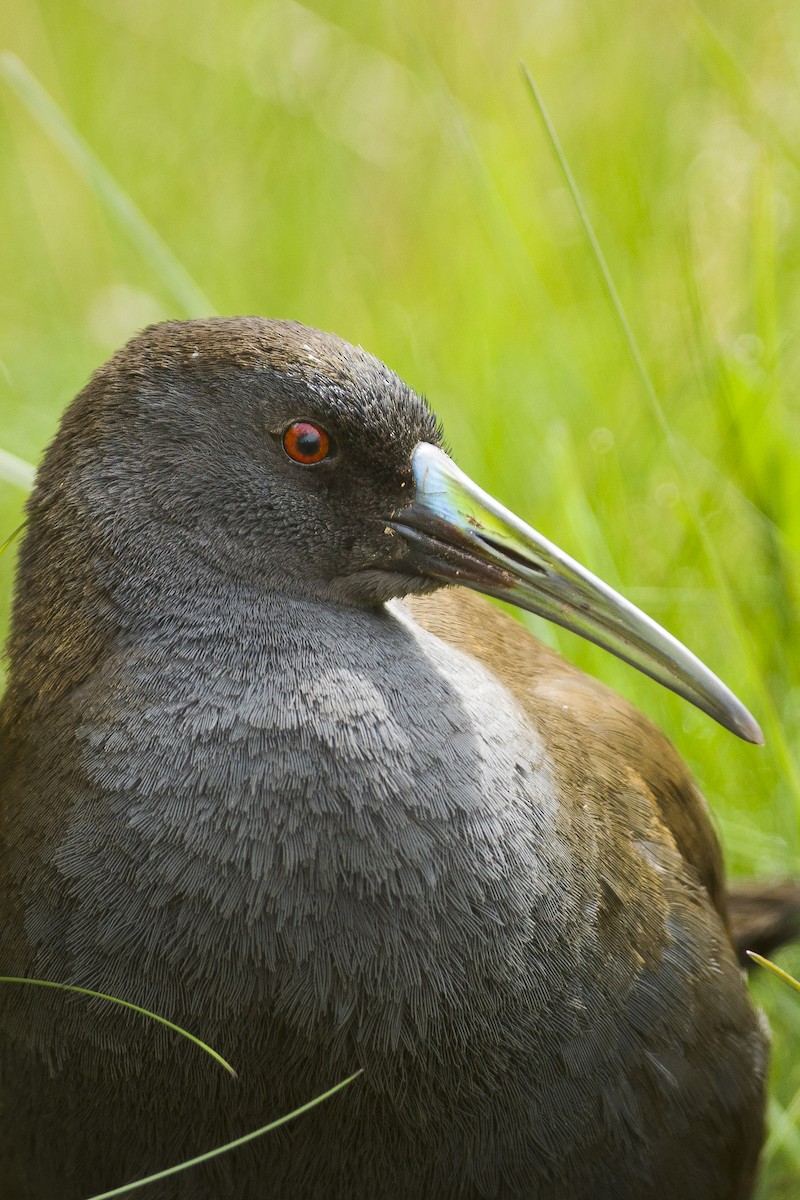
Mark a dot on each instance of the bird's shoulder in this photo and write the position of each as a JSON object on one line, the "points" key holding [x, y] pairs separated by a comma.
{"points": [[598, 742]]}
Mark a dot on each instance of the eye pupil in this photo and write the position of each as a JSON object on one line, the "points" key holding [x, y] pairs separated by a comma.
{"points": [[306, 443]]}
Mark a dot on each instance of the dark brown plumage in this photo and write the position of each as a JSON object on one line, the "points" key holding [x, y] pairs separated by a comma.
{"points": [[255, 778]]}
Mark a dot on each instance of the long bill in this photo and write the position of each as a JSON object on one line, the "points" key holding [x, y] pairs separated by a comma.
{"points": [[458, 533]]}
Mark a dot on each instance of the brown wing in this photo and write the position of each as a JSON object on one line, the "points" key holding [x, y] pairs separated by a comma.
{"points": [[599, 743], [662, 955]]}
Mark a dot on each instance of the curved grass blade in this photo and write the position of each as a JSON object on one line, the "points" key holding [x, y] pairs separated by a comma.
{"points": [[145, 1012], [240, 1141], [775, 969]]}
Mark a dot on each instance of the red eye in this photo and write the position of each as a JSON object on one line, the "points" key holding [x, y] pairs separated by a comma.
{"points": [[306, 443]]}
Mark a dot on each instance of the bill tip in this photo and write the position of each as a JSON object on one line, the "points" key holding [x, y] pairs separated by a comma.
{"points": [[748, 728]]}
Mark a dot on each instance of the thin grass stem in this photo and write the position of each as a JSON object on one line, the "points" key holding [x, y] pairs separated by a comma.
{"points": [[777, 734], [228, 1146], [145, 1012]]}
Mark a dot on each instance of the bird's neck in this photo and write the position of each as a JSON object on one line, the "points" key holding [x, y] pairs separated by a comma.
{"points": [[82, 600]]}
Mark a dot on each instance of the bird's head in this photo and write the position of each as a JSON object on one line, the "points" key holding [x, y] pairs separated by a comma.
{"points": [[263, 455]]}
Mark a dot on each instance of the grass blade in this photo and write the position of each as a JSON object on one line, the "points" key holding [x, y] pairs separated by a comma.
{"points": [[782, 1131], [240, 1141], [16, 471], [12, 537], [776, 732], [775, 969], [186, 295], [600, 258], [145, 1012], [712, 51]]}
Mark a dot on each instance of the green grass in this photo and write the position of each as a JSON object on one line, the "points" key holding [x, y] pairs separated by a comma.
{"points": [[380, 170], [264, 1131]]}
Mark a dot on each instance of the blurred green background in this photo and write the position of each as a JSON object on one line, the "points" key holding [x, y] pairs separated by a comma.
{"points": [[380, 170]]}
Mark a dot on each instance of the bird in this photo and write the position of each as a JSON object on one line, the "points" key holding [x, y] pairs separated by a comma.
{"points": [[273, 767]]}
